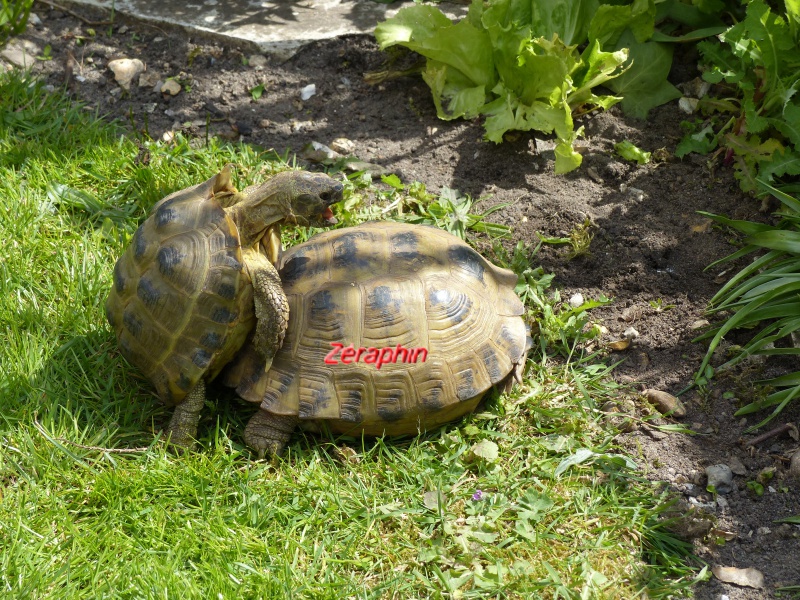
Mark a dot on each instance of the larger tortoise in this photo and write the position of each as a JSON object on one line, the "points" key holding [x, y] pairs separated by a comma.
{"points": [[394, 329], [196, 279]]}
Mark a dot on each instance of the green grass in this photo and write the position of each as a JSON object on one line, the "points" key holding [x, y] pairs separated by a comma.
{"points": [[562, 513]]}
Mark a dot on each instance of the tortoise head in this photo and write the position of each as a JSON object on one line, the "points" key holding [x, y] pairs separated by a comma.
{"points": [[291, 197]]}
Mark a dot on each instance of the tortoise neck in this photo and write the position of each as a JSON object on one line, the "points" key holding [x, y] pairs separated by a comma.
{"points": [[261, 207]]}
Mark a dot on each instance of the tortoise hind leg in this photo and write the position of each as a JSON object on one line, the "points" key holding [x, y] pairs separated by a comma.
{"points": [[268, 433], [182, 428]]}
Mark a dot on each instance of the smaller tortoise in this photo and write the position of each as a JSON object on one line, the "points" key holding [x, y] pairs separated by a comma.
{"points": [[197, 278], [394, 329]]}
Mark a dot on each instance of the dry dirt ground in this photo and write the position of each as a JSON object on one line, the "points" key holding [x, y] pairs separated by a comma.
{"points": [[649, 248]]}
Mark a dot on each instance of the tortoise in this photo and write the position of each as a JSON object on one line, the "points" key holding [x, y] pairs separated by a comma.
{"points": [[197, 278], [394, 329]]}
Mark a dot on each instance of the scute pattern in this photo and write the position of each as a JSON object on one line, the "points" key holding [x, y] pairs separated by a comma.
{"points": [[177, 304], [388, 285]]}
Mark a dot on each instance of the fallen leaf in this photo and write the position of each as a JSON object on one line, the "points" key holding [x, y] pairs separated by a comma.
{"points": [[433, 500], [725, 535], [346, 454], [486, 450], [666, 403], [703, 227], [619, 345]]}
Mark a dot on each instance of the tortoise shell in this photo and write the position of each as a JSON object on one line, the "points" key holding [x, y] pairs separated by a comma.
{"points": [[393, 329], [181, 302]]}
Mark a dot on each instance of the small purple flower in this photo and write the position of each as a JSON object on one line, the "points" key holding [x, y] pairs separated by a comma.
{"points": [[477, 496]]}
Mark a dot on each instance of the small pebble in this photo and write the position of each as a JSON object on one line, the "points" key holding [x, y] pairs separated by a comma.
{"points": [[636, 193], [594, 174], [343, 145], [688, 105], [794, 466], [257, 61], [171, 87], [737, 466], [720, 477], [126, 70], [630, 333], [308, 91], [576, 300]]}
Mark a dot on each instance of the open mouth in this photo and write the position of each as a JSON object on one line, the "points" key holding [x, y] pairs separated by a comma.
{"points": [[327, 216]]}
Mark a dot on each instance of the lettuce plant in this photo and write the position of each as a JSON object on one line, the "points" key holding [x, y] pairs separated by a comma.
{"points": [[535, 64], [500, 62]]}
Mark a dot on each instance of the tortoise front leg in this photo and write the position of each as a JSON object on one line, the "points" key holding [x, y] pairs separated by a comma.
{"points": [[268, 434], [271, 306], [182, 428]]}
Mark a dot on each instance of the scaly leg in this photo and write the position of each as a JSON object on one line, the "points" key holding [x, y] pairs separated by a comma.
{"points": [[182, 429], [271, 307], [268, 434]]}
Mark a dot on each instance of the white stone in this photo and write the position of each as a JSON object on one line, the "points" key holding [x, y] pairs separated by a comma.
{"points": [[308, 91], [20, 56], [171, 87], [343, 145], [688, 105], [125, 71]]}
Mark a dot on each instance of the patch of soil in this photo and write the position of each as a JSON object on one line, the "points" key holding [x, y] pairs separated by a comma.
{"points": [[649, 250]]}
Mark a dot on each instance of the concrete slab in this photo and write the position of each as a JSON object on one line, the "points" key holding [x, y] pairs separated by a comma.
{"points": [[277, 26]]}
